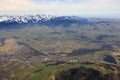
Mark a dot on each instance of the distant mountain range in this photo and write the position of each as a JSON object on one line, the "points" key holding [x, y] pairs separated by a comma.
{"points": [[41, 20]]}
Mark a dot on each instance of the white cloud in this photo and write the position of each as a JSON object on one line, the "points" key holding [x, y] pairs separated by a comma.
{"points": [[16, 4], [60, 8]]}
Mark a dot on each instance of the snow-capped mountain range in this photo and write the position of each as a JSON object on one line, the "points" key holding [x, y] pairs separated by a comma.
{"points": [[40, 19], [24, 19]]}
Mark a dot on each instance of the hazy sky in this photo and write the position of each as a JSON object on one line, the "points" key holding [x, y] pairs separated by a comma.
{"points": [[61, 7]]}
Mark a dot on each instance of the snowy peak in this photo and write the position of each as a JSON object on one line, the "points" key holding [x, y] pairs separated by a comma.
{"points": [[41, 20], [25, 19], [3, 19]]}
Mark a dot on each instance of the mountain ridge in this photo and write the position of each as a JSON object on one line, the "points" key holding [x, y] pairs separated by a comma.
{"points": [[41, 20]]}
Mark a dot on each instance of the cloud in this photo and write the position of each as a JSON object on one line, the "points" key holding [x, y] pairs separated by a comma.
{"points": [[16, 4], [61, 7]]}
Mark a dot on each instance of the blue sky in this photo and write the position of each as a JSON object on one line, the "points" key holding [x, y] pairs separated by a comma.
{"points": [[61, 7]]}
